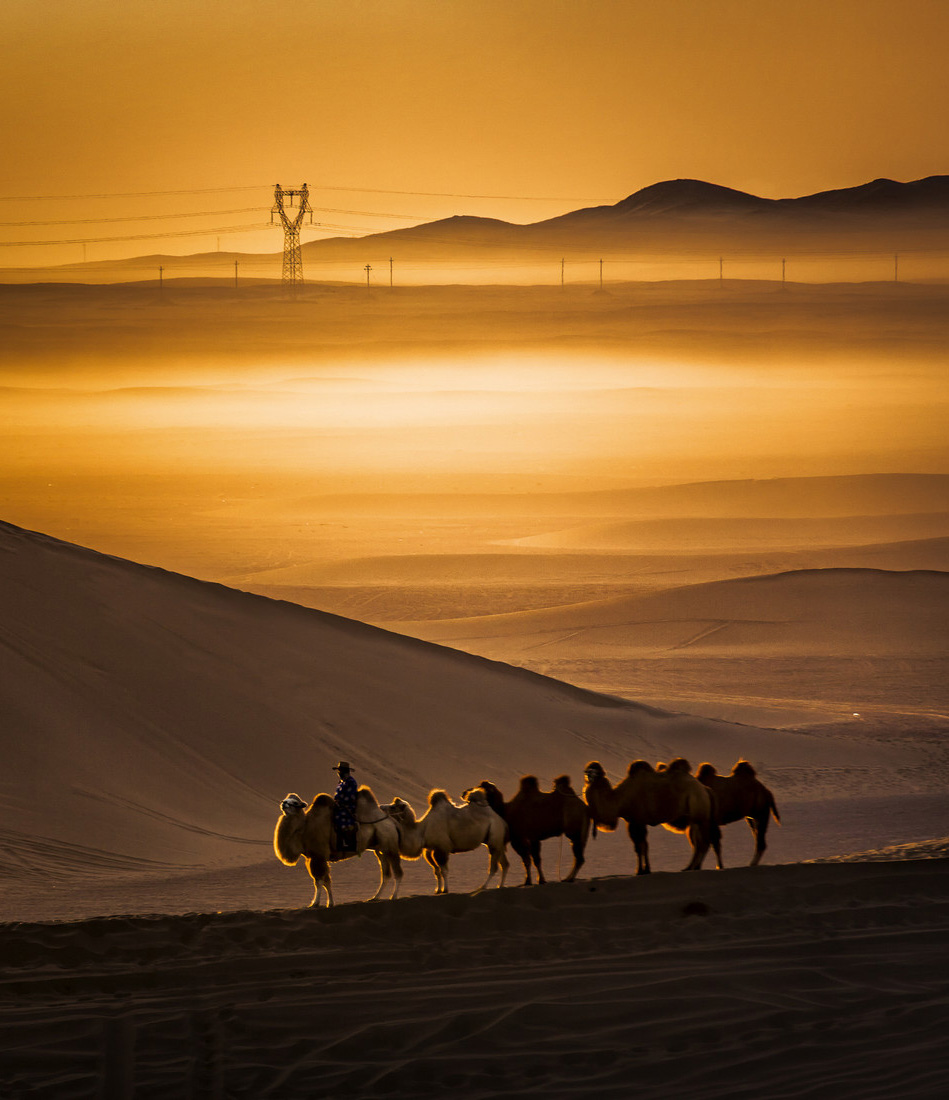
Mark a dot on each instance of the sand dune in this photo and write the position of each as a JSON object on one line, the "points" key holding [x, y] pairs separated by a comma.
{"points": [[176, 714], [754, 534], [831, 611], [797, 648], [777, 497], [453, 586]]}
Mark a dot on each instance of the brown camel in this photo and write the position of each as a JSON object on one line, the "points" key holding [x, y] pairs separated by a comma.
{"points": [[740, 795], [673, 798], [534, 815]]}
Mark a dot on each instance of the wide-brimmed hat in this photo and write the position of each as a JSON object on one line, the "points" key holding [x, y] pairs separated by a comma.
{"points": [[342, 766]]}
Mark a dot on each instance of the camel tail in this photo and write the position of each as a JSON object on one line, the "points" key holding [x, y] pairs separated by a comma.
{"points": [[774, 809]]}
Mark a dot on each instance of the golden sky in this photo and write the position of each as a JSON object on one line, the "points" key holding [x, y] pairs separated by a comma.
{"points": [[397, 111]]}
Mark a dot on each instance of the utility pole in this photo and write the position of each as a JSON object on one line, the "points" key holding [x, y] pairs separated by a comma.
{"points": [[235, 274], [721, 267], [368, 269], [161, 285], [561, 272], [783, 263], [292, 259], [390, 271], [896, 267], [601, 274]]}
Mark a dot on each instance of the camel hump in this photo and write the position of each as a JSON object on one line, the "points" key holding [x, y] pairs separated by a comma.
{"points": [[706, 772], [743, 770], [679, 764], [365, 794], [477, 796], [563, 785], [638, 766], [529, 784], [322, 800], [436, 797]]}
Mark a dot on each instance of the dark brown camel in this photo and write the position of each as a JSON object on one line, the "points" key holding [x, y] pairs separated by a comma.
{"points": [[534, 815], [671, 797], [740, 795]]}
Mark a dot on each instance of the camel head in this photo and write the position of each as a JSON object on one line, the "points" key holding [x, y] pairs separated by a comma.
{"points": [[400, 810], [287, 838], [597, 793], [292, 804], [593, 774], [493, 794], [476, 797]]}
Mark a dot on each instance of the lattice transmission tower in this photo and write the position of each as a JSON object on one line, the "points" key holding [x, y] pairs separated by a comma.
{"points": [[292, 260]]}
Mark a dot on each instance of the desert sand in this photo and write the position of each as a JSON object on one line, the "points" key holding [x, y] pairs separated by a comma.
{"points": [[456, 535]]}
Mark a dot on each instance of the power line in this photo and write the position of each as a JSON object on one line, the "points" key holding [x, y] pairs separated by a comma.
{"points": [[452, 194], [133, 194], [267, 186], [254, 227], [142, 217]]}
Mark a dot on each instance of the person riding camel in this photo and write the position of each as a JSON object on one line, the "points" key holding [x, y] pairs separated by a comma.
{"points": [[344, 815]]}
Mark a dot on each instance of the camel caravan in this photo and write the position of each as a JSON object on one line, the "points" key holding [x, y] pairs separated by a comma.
{"points": [[697, 806]]}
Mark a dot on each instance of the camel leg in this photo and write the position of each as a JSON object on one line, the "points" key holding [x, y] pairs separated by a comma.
{"points": [[498, 859], [437, 859], [397, 875], [524, 852], [492, 870], [535, 856], [699, 839], [320, 873], [391, 867], [716, 842], [385, 873], [577, 844], [638, 835], [759, 830]]}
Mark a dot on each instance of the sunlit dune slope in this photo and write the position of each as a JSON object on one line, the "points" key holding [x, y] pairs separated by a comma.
{"points": [[839, 612], [151, 720]]}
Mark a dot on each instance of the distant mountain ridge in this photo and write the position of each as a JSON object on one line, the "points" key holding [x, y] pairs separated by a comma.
{"points": [[666, 218], [696, 197], [679, 213]]}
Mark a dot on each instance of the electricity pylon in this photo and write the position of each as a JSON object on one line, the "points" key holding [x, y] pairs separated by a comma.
{"points": [[292, 260]]}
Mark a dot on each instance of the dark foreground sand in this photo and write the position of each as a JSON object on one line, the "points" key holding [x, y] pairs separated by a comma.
{"points": [[803, 980]]}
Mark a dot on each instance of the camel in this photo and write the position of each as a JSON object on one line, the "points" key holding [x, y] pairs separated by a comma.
{"points": [[672, 797], [533, 815], [447, 828], [309, 832], [740, 795]]}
